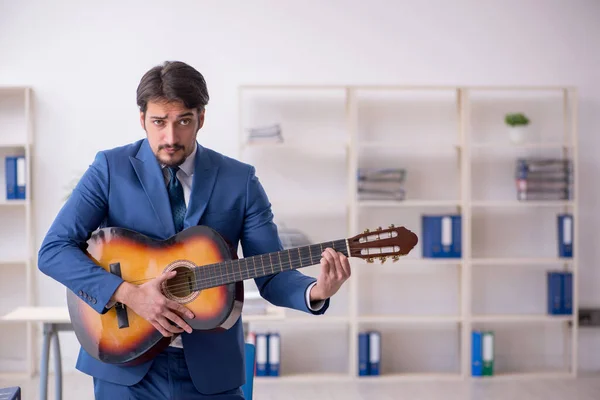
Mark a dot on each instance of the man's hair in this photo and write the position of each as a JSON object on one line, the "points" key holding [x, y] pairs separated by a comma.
{"points": [[173, 81]]}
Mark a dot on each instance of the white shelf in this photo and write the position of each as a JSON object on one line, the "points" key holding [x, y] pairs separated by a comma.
{"points": [[14, 203], [517, 318], [377, 120]]}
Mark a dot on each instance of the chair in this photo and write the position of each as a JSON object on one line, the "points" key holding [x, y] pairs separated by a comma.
{"points": [[247, 388], [10, 393]]}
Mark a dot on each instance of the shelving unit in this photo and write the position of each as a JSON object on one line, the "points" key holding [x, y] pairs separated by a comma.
{"points": [[17, 354], [454, 145]]}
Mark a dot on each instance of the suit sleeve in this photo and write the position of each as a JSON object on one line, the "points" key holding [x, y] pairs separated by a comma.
{"points": [[61, 255], [259, 236]]}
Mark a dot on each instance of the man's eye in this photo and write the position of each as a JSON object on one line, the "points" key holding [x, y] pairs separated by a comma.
{"points": [[185, 121], [157, 122]]}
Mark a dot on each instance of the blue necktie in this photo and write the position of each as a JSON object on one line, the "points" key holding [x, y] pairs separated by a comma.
{"points": [[176, 199]]}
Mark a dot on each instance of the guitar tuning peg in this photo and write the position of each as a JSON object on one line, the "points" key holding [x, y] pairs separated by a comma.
{"points": [[366, 231], [370, 260], [382, 259], [395, 258], [392, 226], [379, 228]]}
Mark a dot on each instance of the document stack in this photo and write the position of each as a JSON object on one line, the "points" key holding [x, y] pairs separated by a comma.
{"points": [[265, 134], [381, 183], [544, 179]]}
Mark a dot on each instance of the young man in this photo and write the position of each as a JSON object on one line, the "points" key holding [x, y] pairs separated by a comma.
{"points": [[159, 186]]}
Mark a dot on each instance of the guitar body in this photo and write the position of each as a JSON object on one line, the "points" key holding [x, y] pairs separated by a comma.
{"points": [[120, 336]]}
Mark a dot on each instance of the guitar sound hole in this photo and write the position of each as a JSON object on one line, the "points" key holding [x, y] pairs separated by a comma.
{"points": [[182, 285]]}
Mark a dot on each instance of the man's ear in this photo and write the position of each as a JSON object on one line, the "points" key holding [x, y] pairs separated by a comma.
{"points": [[142, 120], [201, 118]]}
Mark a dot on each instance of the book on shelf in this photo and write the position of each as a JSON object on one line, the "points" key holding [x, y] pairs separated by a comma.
{"points": [[381, 183], [265, 134], [369, 353], [539, 179], [268, 352], [441, 236], [564, 224], [15, 177], [560, 292], [482, 353]]}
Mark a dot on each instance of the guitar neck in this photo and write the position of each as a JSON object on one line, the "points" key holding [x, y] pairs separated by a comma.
{"points": [[232, 271]]}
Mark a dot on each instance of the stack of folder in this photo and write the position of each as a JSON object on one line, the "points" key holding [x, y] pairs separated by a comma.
{"points": [[268, 352], [369, 353], [544, 179], [560, 292], [268, 133], [381, 183], [15, 177]]}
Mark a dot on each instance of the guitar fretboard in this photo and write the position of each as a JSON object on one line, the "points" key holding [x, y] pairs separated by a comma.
{"points": [[265, 264]]}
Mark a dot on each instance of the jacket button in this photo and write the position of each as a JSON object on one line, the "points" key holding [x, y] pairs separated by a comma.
{"points": [[80, 293], [93, 301]]}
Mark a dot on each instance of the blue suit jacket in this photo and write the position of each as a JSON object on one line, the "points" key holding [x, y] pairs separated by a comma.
{"points": [[124, 187]]}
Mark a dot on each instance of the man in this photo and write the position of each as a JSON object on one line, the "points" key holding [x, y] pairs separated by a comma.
{"points": [[159, 186]]}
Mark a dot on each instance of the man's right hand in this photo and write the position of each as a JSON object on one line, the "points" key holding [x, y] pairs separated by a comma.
{"points": [[148, 301]]}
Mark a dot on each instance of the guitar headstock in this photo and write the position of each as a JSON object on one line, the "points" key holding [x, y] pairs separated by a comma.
{"points": [[382, 243]]}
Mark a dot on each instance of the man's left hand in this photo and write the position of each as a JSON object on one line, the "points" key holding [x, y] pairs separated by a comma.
{"points": [[335, 270]]}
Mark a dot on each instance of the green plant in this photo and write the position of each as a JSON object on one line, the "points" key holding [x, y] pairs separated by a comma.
{"points": [[515, 119]]}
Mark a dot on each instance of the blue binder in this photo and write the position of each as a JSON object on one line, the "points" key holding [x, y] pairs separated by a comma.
{"points": [[274, 353], [10, 393], [565, 235], [567, 293], [11, 177], [363, 354], [441, 236], [555, 297], [476, 353], [262, 354], [374, 352], [21, 179]]}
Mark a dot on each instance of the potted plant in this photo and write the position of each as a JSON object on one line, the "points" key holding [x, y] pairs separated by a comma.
{"points": [[517, 123]]}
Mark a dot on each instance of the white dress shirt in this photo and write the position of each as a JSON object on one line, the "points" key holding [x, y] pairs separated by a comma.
{"points": [[185, 176]]}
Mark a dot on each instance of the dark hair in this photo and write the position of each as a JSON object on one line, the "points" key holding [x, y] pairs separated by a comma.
{"points": [[173, 81]]}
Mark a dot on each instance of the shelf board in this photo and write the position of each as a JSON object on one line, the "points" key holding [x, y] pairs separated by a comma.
{"points": [[520, 261], [413, 261], [408, 146], [301, 146], [410, 319], [13, 145], [13, 203], [9, 261], [532, 145], [306, 378], [526, 375], [517, 203], [314, 320], [409, 203], [521, 318], [417, 376]]}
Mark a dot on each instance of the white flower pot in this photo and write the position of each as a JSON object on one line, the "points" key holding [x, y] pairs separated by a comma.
{"points": [[517, 134]]}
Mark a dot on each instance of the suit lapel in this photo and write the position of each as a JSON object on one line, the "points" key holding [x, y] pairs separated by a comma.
{"points": [[150, 175], [205, 175]]}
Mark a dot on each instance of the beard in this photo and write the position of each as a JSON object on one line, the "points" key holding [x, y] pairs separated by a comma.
{"points": [[171, 160]]}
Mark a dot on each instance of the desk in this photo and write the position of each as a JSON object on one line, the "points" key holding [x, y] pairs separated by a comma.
{"points": [[54, 320]]}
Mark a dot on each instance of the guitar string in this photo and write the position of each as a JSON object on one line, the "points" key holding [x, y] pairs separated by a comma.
{"points": [[296, 262], [210, 279]]}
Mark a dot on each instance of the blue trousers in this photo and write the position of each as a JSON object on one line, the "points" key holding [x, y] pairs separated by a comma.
{"points": [[167, 379]]}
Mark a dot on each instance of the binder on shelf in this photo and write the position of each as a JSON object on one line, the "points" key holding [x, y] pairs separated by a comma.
{"points": [[476, 353], [567, 305], [442, 236], [554, 280], [262, 354], [21, 177], [488, 353], [11, 177], [374, 352], [565, 235], [560, 292], [274, 353], [363, 354]]}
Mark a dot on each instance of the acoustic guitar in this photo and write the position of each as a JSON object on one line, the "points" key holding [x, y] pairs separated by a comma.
{"points": [[209, 281]]}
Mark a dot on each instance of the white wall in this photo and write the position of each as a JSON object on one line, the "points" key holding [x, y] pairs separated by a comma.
{"points": [[84, 62]]}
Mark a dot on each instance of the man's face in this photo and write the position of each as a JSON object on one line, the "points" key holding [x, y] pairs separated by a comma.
{"points": [[171, 129]]}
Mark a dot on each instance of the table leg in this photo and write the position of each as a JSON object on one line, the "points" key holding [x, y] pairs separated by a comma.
{"points": [[48, 330], [57, 367]]}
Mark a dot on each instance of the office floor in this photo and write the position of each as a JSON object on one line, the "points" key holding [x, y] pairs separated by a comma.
{"points": [[585, 387]]}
